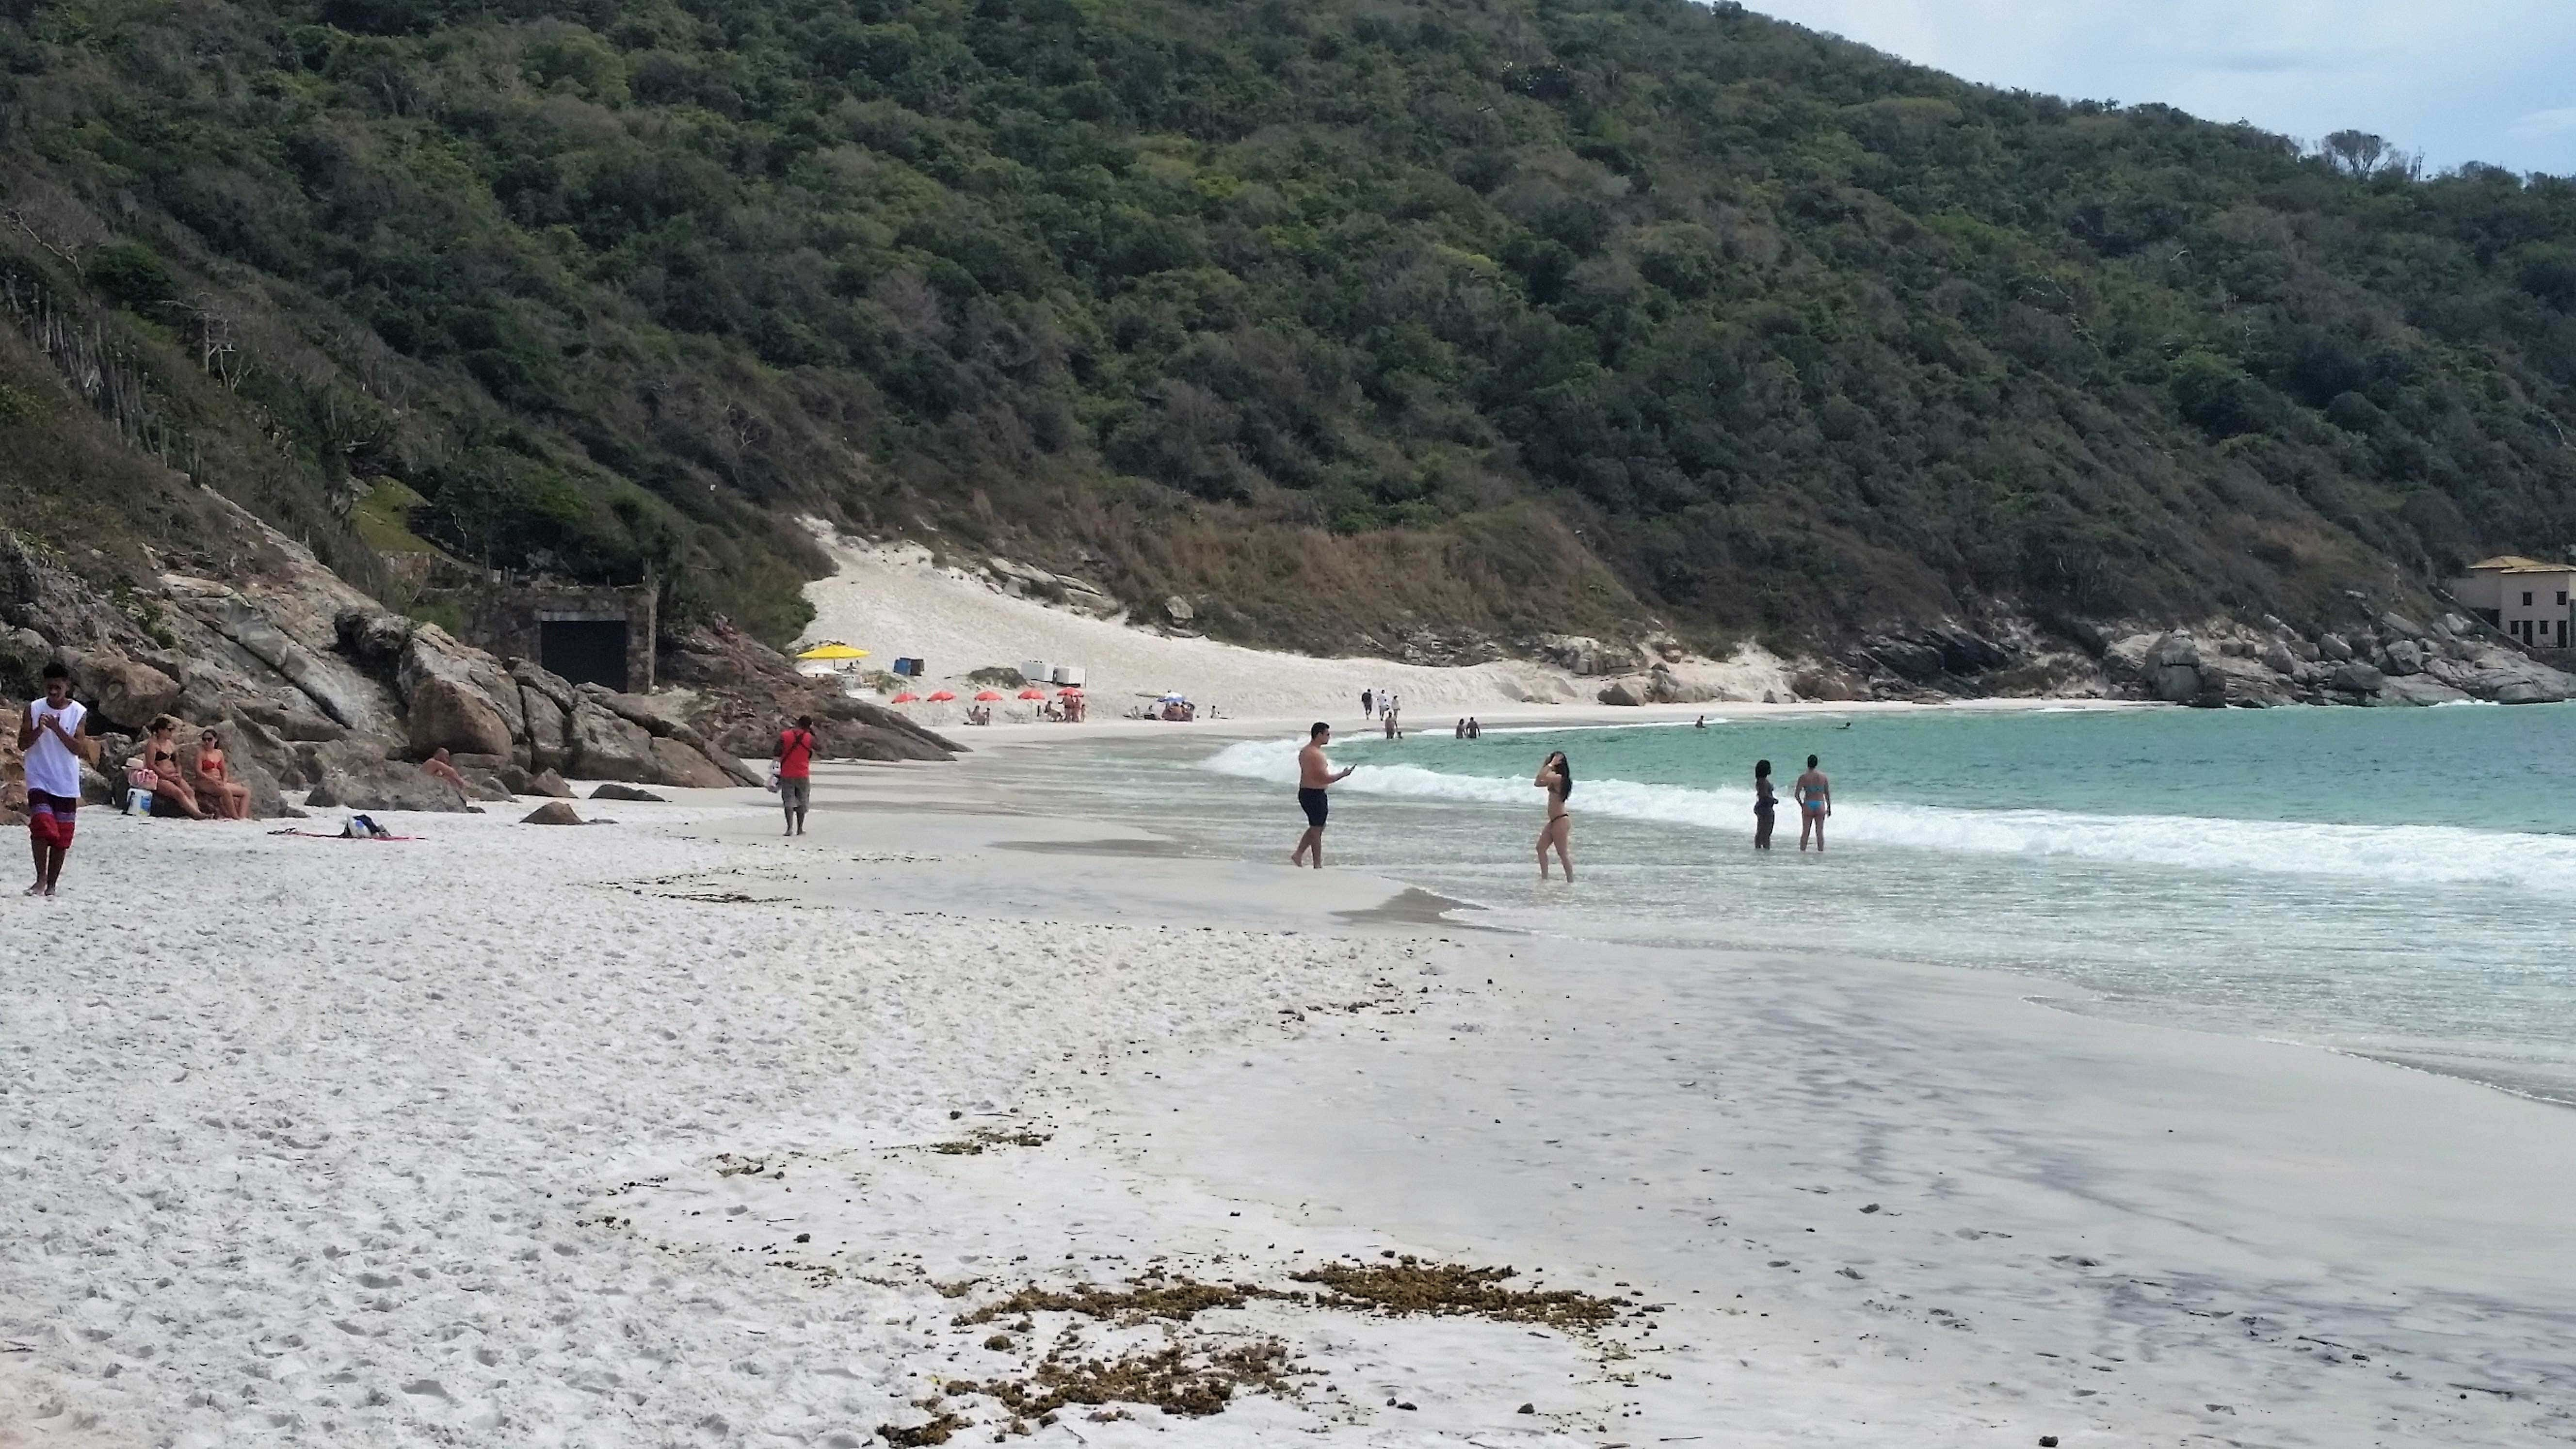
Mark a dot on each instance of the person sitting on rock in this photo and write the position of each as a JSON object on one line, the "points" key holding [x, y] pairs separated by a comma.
{"points": [[161, 757], [440, 767], [216, 786]]}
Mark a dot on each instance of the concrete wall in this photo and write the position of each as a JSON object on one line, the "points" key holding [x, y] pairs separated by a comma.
{"points": [[507, 617]]}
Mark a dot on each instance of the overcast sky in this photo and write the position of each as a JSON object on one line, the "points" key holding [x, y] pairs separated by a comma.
{"points": [[2459, 80]]}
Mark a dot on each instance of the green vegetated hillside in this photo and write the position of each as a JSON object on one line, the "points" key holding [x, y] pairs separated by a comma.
{"points": [[1343, 319]]}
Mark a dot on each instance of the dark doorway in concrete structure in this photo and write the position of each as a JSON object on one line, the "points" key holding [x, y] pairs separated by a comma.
{"points": [[584, 651]]}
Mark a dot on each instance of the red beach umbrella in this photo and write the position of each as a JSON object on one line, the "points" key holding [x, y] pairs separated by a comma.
{"points": [[941, 696], [1032, 693], [907, 697], [1070, 689], [987, 696]]}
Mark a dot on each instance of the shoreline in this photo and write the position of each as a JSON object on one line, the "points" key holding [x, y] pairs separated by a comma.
{"points": [[1516, 717], [692, 1131], [2308, 1120]]}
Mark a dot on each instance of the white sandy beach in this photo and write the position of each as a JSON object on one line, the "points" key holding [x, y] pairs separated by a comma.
{"points": [[891, 600], [628, 1136]]}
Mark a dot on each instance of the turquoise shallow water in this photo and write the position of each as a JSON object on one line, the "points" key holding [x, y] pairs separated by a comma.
{"points": [[2395, 882]]}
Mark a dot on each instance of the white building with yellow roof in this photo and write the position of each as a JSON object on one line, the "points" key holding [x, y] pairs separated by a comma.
{"points": [[2524, 597]]}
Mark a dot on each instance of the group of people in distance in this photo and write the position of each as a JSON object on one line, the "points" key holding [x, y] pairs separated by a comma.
{"points": [[1316, 777]]}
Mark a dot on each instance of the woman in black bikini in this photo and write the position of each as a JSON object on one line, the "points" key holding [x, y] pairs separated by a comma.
{"points": [[1765, 800], [1556, 777], [161, 757]]}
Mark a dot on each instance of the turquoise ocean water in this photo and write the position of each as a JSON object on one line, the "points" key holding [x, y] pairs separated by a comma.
{"points": [[2400, 883]]}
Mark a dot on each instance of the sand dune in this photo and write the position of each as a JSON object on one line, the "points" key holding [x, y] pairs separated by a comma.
{"points": [[892, 600]]}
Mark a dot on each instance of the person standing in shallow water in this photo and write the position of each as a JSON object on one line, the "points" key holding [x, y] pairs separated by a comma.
{"points": [[1315, 775], [1556, 777], [1765, 801], [1815, 803]]}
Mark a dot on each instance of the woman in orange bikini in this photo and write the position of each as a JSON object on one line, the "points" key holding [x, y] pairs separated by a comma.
{"points": [[215, 782]]}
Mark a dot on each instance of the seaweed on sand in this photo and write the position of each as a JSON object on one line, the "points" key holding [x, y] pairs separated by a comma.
{"points": [[1179, 1380], [1409, 1285]]}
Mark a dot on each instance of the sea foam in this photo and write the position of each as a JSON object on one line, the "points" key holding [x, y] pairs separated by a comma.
{"points": [[2395, 854]]}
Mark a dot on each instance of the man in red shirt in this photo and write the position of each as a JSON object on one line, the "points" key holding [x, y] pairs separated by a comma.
{"points": [[796, 772]]}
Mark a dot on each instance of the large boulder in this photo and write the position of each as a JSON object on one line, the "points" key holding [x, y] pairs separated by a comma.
{"points": [[1622, 692], [453, 715], [553, 812], [2356, 678], [605, 746], [2506, 677], [549, 730], [2334, 647], [687, 768], [290, 724], [661, 718], [129, 693], [535, 677], [2405, 657], [2419, 689], [472, 702], [2172, 669], [332, 684], [539, 782], [383, 785]]}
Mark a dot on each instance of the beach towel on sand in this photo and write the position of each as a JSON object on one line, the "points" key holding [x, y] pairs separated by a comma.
{"points": [[359, 827]]}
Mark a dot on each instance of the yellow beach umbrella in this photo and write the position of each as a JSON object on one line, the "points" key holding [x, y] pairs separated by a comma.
{"points": [[833, 650]]}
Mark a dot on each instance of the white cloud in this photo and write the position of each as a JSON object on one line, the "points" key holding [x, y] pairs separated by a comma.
{"points": [[2556, 122]]}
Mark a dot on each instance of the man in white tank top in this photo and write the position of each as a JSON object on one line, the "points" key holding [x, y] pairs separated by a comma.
{"points": [[49, 733]]}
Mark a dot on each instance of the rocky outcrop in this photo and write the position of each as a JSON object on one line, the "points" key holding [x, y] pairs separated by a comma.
{"points": [[742, 692], [447, 714], [1026, 581], [2172, 668], [626, 792], [553, 812], [1621, 692], [458, 697], [1947, 654], [130, 694], [1583, 655], [545, 701], [2385, 660], [606, 746], [383, 785], [689, 768], [542, 782]]}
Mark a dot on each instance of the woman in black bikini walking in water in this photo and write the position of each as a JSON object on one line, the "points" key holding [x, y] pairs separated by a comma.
{"points": [[1556, 777]]}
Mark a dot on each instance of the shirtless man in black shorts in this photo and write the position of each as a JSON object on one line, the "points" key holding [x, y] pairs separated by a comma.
{"points": [[1315, 775]]}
